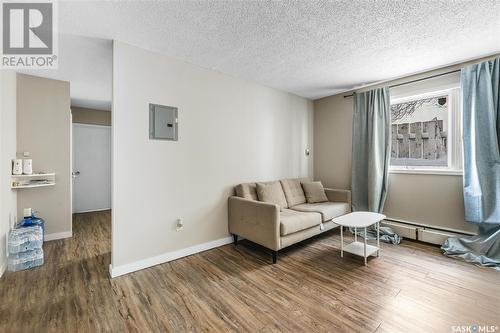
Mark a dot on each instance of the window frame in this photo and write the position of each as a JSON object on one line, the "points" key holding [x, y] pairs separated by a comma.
{"points": [[454, 141]]}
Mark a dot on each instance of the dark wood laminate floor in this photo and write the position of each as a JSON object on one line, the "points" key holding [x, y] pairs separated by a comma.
{"points": [[410, 288]]}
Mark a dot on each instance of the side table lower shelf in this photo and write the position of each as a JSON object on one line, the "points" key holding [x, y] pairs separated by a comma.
{"points": [[357, 248], [361, 249]]}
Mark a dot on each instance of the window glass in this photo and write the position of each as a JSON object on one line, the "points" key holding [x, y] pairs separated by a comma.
{"points": [[420, 130]]}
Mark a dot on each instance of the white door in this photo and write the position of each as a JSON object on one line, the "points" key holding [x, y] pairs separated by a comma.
{"points": [[91, 167]]}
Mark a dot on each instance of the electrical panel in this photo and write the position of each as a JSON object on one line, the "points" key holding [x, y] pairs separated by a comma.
{"points": [[163, 124]]}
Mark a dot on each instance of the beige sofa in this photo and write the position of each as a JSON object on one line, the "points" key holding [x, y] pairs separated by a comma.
{"points": [[276, 228]]}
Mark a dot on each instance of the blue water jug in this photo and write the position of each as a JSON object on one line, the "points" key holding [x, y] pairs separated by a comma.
{"points": [[29, 221]]}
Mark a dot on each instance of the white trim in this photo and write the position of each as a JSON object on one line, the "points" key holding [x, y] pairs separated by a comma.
{"points": [[434, 227], [90, 125], [437, 237], [166, 257], [58, 235], [442, 172], [3, 267], [71, 178], [113, 154], [92, 210]]}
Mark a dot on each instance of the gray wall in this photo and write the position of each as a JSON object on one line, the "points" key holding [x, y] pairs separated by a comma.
{"points": [[91, 116], [43, 129], [426, 199]]}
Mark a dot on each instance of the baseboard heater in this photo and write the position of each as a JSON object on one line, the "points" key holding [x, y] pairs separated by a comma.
{"points": [[422, 233]]}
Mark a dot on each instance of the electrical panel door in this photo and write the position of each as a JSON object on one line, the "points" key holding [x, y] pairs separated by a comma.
{"points": [[163, 124]]}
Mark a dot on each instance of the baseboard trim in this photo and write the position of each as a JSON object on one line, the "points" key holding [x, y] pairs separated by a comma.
{"points": [[417, 224], [58, 235], [91, 211], [435, 237], [166, 257], [3, 267]]}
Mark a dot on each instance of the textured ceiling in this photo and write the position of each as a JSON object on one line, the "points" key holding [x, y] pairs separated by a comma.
{"points": [[312, 49]]}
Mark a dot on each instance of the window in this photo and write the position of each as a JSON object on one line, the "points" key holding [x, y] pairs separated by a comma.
{"points": [[425, 132]]}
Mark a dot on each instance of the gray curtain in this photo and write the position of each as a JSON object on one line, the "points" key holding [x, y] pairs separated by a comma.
{"points": [[370, 155], [481, 140]]}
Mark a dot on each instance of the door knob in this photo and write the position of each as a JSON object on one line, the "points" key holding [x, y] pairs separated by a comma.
{"points": [[75, 173]]}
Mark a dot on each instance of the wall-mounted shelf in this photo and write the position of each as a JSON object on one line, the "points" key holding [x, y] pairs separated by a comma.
{"points": [[33, 185], [33, 180], [35, 175]]}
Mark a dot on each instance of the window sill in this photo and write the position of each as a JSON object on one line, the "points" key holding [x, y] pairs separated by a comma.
{"points": [[445, 172]]}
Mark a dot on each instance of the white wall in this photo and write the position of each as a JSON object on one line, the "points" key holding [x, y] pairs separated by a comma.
{"points": [[8, 197], [230, 131]]}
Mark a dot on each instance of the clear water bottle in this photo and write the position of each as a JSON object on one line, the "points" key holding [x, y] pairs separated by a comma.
{"points": [[25, 239], [25, 260], [30, 220]]}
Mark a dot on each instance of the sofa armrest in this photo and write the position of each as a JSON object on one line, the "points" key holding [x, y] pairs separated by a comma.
{"points": [[256, 221], [335, 195]]}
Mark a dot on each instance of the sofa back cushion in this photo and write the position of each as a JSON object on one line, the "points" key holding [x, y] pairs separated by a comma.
{"points": [[247, 191], [293, 191], [314, 192], [272, 192]]}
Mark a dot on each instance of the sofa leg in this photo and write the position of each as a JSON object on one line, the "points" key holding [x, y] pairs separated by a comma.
{"points": [[235, 238], [275, 256]]}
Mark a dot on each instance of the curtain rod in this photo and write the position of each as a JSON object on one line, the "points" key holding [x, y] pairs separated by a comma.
{"points": [[416, 80]]}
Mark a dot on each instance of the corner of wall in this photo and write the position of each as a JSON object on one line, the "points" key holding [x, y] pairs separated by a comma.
{"points": [[284, 122], [8, 197]]}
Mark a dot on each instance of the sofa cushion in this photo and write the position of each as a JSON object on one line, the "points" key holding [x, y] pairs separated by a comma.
{"points": [[247, 191], [292, 221], [293, 191], [328, 210], [314, 192], [305, 234], [272, 192]]}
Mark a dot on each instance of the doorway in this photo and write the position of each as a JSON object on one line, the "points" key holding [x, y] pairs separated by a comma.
{"points": [[91, 168]]}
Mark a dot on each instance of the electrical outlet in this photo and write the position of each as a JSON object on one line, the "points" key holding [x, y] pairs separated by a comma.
{"points": [[180, 225]]}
